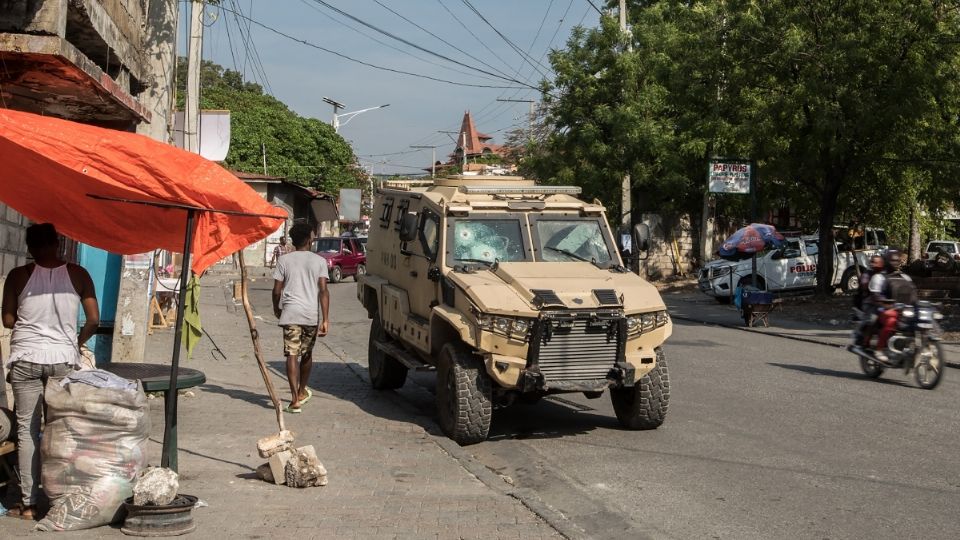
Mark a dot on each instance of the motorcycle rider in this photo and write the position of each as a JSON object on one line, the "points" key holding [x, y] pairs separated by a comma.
{"points": [[867, 318], [886, 288]]}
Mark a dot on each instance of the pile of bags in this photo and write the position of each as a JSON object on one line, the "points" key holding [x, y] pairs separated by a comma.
{"points": [[93, 446]]}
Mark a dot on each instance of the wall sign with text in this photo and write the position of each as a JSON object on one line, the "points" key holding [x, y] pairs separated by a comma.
{"points": [[729, 176]]}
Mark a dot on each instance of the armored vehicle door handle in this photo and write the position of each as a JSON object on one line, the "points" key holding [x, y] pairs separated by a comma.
{"points": [[413, 273], [434, 274]]}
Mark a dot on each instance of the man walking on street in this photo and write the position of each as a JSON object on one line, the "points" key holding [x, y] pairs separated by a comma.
{"points": [[299, 285], [279, 251]]}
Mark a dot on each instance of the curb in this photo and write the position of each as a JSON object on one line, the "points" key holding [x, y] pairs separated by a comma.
{"points": [[955, 365], [527, 497]]}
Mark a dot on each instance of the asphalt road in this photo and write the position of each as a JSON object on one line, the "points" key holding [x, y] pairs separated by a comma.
{"points": [[765, 438]]}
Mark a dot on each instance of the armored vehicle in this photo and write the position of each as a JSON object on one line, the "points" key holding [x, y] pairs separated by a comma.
{"points": [[512, 291]]}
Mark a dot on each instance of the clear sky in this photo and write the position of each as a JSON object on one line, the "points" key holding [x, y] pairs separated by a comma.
{"points": [[301, 75]]}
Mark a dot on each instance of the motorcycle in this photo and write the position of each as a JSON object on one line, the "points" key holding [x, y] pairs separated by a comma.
{"points": [[915, 346]]}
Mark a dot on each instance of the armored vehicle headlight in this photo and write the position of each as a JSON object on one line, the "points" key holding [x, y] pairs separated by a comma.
{"points": [[521, 326], [648, 321], [633, 325], [506, 326], [502, 325], [642, 323]]}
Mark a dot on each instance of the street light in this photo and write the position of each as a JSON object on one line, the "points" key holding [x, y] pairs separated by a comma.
{"points": [[349, 116]]}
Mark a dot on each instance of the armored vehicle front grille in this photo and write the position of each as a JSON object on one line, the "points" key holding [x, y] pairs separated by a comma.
{"points": [[545, 298], [577, 350], [606, 297]]}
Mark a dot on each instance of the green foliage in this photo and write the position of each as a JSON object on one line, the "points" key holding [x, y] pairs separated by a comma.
{"points": [[849, 108], [302, 149]]}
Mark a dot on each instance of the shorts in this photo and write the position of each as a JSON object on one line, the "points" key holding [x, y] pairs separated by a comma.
{"points": [[298, 339]]}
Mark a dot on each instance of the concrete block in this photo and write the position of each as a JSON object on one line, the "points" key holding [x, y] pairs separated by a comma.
{"points": [[155, 486], [274, 444], [304, 469], [278, 463]]}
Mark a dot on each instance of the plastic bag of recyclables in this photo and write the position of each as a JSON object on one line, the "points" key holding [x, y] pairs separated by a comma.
{"points": [[93, 446]]}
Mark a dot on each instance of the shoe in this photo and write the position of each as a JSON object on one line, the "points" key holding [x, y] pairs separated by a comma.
{"points": [[292, 410], [881, 357], [303, 401]]}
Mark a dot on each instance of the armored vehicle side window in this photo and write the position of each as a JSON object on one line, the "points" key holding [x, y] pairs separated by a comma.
{"points": [[430, 234], [487, 240], [387, 211], [572, 240]]}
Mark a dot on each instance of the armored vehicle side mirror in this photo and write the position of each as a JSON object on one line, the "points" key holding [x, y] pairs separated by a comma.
{"points": [[408, 228], [642, 234]]}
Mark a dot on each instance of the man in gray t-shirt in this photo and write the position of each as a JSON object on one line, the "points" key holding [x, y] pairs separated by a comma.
{"points": [[299, 288]]}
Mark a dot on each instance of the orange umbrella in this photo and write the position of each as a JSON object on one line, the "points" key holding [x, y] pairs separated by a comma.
{"points": [[127, 194], [52, 170]]}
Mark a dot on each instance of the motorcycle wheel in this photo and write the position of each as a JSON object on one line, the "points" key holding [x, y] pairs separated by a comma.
{"points": [[871, 368], [929, 370]]}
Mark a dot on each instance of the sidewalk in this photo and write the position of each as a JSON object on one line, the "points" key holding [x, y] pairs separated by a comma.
{"points": [[695, 306], [389, 476]]}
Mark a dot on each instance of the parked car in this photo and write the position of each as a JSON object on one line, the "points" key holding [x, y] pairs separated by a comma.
{"points": [[790, 268], [345, 256], [934, 247]]}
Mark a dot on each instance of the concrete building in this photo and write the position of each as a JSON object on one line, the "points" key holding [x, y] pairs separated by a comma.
{"points": [[108, 63]]}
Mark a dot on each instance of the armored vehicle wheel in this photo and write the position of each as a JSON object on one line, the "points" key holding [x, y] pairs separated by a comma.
{"points": [[644, 405], [871, 368], [464, 395], [336, 274], [385, 372], [361, 271]]}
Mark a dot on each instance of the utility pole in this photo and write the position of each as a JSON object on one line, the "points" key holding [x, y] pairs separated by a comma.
{"points": [[463, 146], [433, 164], [626, 203], [530, 117], [191, 118], [336, 107], [263, 150]]}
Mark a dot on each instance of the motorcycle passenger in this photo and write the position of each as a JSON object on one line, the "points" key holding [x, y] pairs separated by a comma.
{"points": [[867, 318], [896, 287]]}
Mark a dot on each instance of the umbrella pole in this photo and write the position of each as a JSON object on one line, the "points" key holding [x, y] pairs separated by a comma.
{"points": [[169, 455]]}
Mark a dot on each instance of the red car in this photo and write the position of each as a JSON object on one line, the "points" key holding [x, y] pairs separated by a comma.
{"points": [[345, 256]]}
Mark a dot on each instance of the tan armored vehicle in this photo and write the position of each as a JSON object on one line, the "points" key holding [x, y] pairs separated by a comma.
{"points": [[512, 291]]}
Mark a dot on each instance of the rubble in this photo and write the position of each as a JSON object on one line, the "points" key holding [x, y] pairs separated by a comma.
{"points": [[155, 486], [295, 468], [274, 444]]}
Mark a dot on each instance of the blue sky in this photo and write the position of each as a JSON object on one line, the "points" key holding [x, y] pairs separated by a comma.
{"points": [[300, 75]]}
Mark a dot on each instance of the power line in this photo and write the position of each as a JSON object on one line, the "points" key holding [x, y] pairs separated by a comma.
{"points": [[414, 45], [507, 40], [362, 62], [467, 28], [594, 6], [389, 46], [445, 42]]}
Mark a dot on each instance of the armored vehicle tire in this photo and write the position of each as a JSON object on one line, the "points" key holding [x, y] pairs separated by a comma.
{"points": [[361, 271], [336, 274], [464, 395], [385, 372], [644, 405]]}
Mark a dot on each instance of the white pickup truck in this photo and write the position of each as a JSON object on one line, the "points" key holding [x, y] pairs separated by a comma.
{"points": [[790, 268]]}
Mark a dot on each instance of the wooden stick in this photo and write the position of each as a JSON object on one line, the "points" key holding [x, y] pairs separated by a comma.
{"points": [[255, 337]]}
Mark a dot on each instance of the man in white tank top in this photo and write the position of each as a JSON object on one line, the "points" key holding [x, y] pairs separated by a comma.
{"points": [[41, 303]]}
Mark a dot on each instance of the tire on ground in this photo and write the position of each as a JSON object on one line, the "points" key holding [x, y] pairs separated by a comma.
{"points": [[644, 405], [850, 282], [336, 274], [386, 373], [464, 395], [361, 271]]}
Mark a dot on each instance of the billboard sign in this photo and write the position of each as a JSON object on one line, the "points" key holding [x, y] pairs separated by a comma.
{"points": [[729, 176]]}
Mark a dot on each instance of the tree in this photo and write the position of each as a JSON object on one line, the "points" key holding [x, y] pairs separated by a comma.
{"points": [[838, 103], [841, 96], [302, 149]]}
